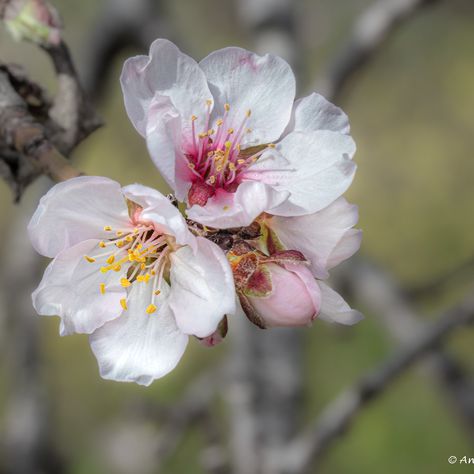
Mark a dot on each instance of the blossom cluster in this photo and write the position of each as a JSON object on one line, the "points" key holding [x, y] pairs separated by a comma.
{"points": [[261, 178]]}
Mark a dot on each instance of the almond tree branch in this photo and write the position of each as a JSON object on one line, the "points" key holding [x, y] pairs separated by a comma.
{"points": [[370, 32], [338, 416]]}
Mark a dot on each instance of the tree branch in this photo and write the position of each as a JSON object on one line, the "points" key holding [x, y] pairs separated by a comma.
{"points": [[338, 416]]}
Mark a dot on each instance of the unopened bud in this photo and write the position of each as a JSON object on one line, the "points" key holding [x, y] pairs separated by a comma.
{"points": [[32, 20]]}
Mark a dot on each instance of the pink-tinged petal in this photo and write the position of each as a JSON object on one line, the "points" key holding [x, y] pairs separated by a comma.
{"points": [[322, 170], [202, 288], [334, 309], [263, 84], [70, 289], [325, 238], [237, 209], [347, 246], [139, 347], [159, 210], [168, 72], [294, 301], [314, 112], [163, 137], [77, 210]]}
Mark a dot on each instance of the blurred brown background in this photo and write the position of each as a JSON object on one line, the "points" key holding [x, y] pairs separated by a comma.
{"points": [[412, 114]]}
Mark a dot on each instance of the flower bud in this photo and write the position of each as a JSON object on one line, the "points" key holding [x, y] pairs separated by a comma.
{"points": [[292, 301], [275, 290], [33, 20]]}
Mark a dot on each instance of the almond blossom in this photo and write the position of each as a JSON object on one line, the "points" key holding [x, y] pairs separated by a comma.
{"points": [[229, 138], [127, 270], [279, 273]]}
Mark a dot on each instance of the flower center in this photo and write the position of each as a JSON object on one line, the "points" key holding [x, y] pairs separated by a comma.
{"points": [[215, 157], [141, 254]]}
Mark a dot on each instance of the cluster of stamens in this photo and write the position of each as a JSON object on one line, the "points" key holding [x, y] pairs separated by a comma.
{"points": [[141, 254], [215, 156]]}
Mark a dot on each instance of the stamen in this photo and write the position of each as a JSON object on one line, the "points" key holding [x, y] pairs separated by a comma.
{"points": [[157, 292], [102, 288], [102, 245], [151, 309], [227, 107], [123, 303], [111, 259], [89, 259], [107, 228], [125, 282]]}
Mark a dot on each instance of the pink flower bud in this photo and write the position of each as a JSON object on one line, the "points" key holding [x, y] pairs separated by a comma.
{"points": [[294, 299], [33, 20]]}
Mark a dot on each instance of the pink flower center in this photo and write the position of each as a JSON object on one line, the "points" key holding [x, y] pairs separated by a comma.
{"points": [[215, 157]]}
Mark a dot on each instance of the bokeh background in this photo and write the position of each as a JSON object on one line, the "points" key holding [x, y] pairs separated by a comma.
{"points": [[412, 114]]}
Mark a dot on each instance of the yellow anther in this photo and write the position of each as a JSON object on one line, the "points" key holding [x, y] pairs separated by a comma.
{"points": [[119, 233], [271, 145], [125, 282], [107, 228], [102, 245], [227, 107], [219, 168], [153, 272], [151, 309], [193, 118], [139, 246], [89, 259], [143, 278], [191, 165], [142, 266], [249, 113], [111, 259], [209, 102], [248, 130], [232, 166], [230, 131], [123, 303], [157, 292], [119, 243], [240, 161], [226, 208], [212, 179], [211, 131], [104, 269], [237, 147], [227, 145], [135, 231], [129, 238], [102, 288], [117, 268], [219, 122], [202, 135]]}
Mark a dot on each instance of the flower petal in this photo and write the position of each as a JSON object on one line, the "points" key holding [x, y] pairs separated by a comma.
{"points": [[237, 209], [202, 288], [76, 210], [314, 112], [166, 71], [263, 84], [334, 309], [139, 347], [161, 212], [321, 167], [70, 289], [324, 237]]}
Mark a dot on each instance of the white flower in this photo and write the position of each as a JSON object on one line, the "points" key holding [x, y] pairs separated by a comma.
{"points": [[229, 139], [127, 271]]}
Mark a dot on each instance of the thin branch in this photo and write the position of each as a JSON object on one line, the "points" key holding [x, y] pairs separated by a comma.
{"points": [[338, 416], [370, 32]]}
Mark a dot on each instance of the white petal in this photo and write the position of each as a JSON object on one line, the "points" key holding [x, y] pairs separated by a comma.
{"points": [[334, 309], [76, 210], [139, 347], [70, 288], [161, 212], [166, 71], [237, 209], [202, 288], [263, 84], [322, 170], [314, 112], [324, 237]]}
